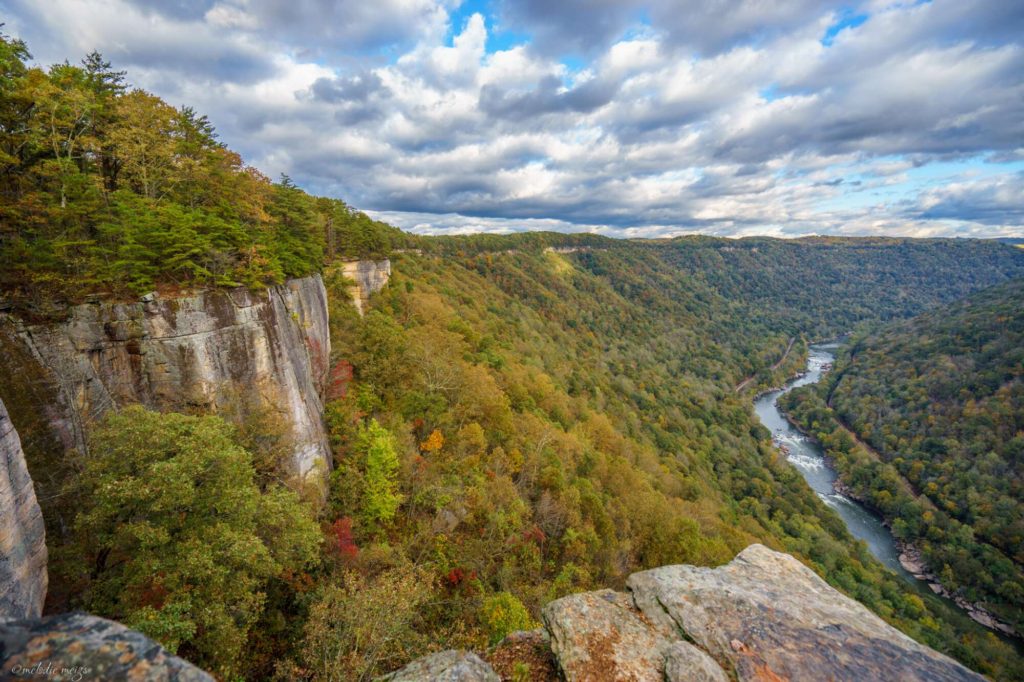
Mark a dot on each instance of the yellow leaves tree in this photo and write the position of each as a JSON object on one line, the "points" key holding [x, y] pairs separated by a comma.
{"points": [[145, 143], [433, 443]]}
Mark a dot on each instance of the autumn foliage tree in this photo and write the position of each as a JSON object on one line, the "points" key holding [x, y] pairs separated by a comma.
{"points": [[109, 189], [175, 538]]}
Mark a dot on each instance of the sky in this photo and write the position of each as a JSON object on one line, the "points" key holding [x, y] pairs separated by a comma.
{"points": [[632, 118]]}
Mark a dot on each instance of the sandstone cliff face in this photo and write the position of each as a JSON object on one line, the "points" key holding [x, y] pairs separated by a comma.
{"points": [[22, 538], [370, 277], [77, 646], [233, 351], [764, 616]]}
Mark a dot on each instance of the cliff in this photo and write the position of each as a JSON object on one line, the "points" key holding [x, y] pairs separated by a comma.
{"points": [[22, 538], [250, 354], [764, 616], [369, 276]]}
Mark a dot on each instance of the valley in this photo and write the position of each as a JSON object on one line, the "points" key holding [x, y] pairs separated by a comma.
{"points": [[269, 437]]}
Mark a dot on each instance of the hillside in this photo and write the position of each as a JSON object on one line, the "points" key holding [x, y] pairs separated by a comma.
{"points": [[512, 419], [591, 390], [939, 401]]}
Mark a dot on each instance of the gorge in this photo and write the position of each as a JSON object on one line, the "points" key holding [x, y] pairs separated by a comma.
{"points": [[809, 458], [258, 433]]}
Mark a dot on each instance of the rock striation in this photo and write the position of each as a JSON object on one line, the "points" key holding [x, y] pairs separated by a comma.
{"points": [[23, 575], [370, 276], [77, 646], [229, 351]]}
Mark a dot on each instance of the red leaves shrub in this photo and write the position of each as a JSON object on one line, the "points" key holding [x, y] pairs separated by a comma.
{"points": [[342, 540]]}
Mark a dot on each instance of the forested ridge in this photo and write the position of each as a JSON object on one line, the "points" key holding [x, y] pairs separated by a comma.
{"points": [[108, 190], [530, 415], [940, 399]]}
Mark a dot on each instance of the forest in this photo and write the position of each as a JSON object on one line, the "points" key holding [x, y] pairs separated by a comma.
{"points": [[530, 415], [108, 190], [938, 404]]}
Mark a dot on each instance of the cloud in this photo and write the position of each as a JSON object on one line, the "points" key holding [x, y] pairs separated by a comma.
{"points": [[705, 27], [993, 201], [753, 116]]}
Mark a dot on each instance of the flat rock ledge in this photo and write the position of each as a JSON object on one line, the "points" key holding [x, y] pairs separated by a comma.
{"points": [[603, 636], [77, 646], [766, 616]]}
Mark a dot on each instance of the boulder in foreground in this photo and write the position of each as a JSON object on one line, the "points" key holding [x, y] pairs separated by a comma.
{"points": [[766, 616], [445, 666], [77, 646]]}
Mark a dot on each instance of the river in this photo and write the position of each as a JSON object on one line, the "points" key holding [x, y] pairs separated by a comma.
{"points": [[809, 459]]}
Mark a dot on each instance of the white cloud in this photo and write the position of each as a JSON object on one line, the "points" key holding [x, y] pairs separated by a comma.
{"points": [[734, 120]]}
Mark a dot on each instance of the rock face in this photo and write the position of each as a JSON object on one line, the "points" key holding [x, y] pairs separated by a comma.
{"points": [[445, 666], [603, 636], [230, 351], [77, 646], [370, 277], [22, 537], [766, 616]]}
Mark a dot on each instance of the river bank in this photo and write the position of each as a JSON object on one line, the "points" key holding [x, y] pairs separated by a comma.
{"points": [[863, 521]]}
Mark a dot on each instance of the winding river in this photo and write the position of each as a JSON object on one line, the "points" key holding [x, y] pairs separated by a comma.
{"points": [[809, 459]]}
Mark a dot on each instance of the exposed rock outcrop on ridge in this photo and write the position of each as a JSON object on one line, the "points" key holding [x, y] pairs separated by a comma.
{"points": [[369, 276], [595, 633], [764, 616], [767, 616], [445, 666], [22, 536]]}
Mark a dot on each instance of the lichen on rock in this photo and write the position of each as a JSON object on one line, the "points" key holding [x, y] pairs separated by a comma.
{"points": [[767, 616], [78, 646], [445, 666]]}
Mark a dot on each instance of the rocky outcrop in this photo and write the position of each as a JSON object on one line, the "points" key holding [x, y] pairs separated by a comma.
{"points": [[369, 276], [764, 617], [445, 666], [601, 633], [22, 537], [234, 351], [77, 646]]}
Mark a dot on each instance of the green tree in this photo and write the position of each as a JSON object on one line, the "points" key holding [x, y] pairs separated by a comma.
{"points": [[503, 613], [381, 498], [174, 537], [144, 143]]}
